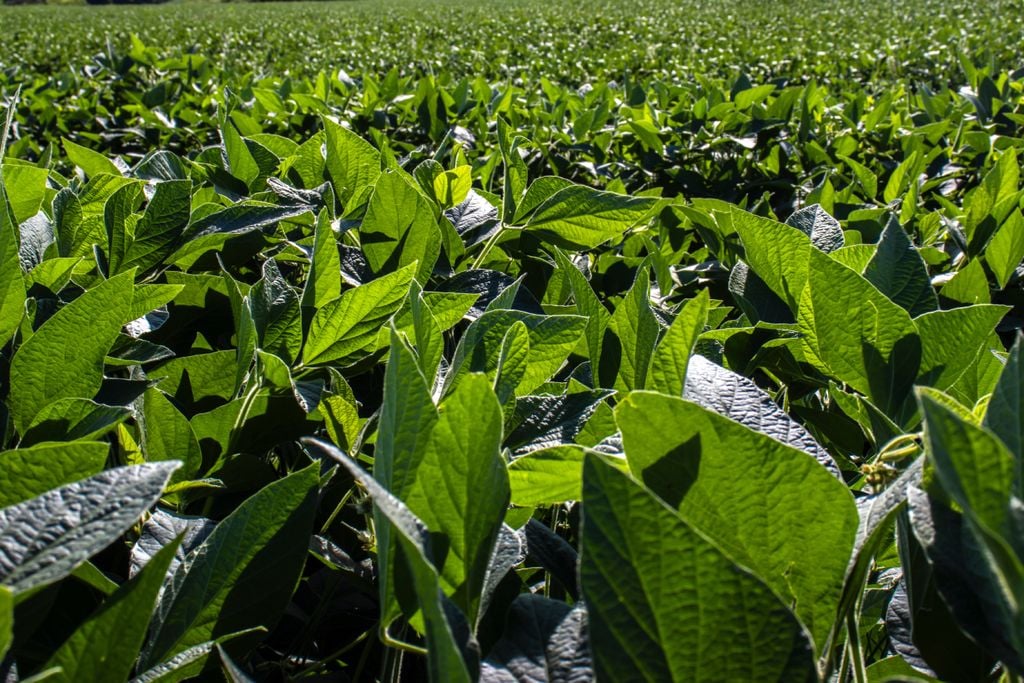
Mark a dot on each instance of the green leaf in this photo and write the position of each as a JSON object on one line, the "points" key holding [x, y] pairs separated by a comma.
{"points": [[61, 360], [665, 603], [400, 227], [548, 476], [1006, 249], [856, 334], [93, 163], [778, 253], [352, 163], [348, 325], [899, 272], [766, 505], [221, 587], [951, 340], [160, 228], [167, 435], [825, 231], [624, 364], [580, 217], [973, 466], [445, 662], [104, 648], [407, 418], [968, 287], [463, 459], [276, 314], [552, 338], [6, 620], [452, 187], [587, 305], [323, 283], [47, 537], [671, 358], [1004, 416], [28, 472], [240, 159], [12, 283]]}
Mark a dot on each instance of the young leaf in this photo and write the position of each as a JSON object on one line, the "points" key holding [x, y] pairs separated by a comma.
{"points": [[1004, 416], [60, 360], [951, 340], [167, 434], [323, 283], [899, 272], [44, 539], [400, 227], [352, 163], [6, 620], [626, 356], [12, 283], [665, 603], [547, 476]]}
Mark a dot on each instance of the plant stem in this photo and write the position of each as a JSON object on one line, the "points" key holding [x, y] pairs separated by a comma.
{"points": [[488, 245]]}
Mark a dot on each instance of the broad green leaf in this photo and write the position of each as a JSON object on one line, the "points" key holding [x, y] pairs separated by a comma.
{"points": [[445, 662], [579, 217], [624, 364], [71, 419], [352, 163], [348, 325], [47, 537], [1006, 249], [12, 283], [120, 219], [539, 190], [854, 333], [951, 340], [768, 506], [897, 270], [26, 190], [400, 227], [671, 357], [665, 603], [93, 163], [221, 586], [323, 283], [167, 435], [778, 253], [104, 648], [547, 476], [515, 171], [29, 472], [240, 159], [64, 358], [463, 459]]}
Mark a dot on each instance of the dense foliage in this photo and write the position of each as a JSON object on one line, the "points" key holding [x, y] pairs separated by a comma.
{"points": [[512, 343]]}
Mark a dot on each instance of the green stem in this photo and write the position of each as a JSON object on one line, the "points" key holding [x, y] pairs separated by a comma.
{"points": [[337, 510], [488, 245], [856, 651], [388, 640]]}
